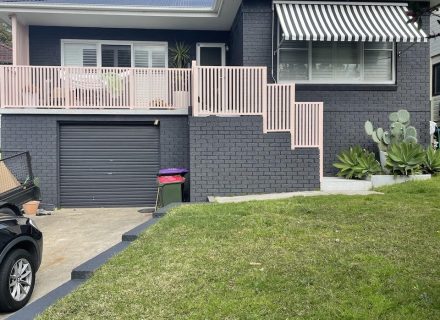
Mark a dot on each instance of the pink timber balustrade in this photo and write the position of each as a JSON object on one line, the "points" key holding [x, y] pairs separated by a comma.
{"points": [[94, 88]]}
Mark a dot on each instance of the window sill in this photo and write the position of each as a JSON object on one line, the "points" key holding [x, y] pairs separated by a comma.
{"points": [[345, 87]]}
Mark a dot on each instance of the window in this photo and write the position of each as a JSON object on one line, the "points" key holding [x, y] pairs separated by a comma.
{"points": [[92, 53], [336, 62], [436, 79], [211, 54]]}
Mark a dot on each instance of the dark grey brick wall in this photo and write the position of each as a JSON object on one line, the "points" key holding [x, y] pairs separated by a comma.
{"points": [[232, 156], [346, 110], [38, 134], [257, 30], [45, 42], [236, 40]]}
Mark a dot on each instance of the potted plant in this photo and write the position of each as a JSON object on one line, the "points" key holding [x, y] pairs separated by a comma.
{"points": [[400, 131], [180, 58], [31, 208]]}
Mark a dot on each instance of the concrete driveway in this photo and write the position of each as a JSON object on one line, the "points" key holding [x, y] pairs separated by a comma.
{"points": [[73, 236]]}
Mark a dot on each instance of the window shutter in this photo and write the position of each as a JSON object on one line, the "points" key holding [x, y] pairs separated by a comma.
{"points": [[146, 56], [377, 65], [80, 55], [158, 58]]}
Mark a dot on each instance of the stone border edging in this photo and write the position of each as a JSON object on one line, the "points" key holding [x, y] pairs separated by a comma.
{"points": [[84, 271]]}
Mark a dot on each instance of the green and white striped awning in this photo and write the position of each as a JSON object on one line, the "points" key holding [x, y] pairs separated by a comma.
{"points": [[356, 21]]}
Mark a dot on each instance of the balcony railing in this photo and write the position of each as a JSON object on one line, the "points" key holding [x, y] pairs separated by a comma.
{"points": [[94, 88]]}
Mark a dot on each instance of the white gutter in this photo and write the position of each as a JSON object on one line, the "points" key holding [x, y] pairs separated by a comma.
{"points": [[74, 8]]}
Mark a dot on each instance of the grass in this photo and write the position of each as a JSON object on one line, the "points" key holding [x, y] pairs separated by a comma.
{"points": [[335, 257]]}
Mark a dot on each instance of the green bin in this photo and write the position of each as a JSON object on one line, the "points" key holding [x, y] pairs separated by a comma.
{"points": [[169, 191]]}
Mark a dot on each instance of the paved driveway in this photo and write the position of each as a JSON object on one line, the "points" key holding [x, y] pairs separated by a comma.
{"points": [[73, 236]]}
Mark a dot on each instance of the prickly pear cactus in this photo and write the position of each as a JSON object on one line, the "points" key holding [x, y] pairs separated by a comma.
{"points": [[400, 130]]}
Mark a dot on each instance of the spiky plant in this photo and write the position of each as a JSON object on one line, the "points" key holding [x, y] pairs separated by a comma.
{"points": [[180, 55], [431, 164], [357, 163], [405, 158]]}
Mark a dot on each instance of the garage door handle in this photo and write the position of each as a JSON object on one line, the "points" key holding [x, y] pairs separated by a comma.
{"points": [[109, 172]]}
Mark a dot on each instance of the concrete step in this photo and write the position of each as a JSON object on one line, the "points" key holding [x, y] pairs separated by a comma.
{"points": [[332, 184]]}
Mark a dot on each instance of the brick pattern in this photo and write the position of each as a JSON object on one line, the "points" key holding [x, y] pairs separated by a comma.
{"points": [[346, 111], [38, 134], [232, 156]]}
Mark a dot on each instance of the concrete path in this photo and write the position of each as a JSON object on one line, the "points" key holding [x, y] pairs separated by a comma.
{"points": [[73, 236], [285, 195]]}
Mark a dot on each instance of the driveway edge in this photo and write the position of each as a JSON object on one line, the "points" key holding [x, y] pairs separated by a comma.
{"points": [[83, 272]]}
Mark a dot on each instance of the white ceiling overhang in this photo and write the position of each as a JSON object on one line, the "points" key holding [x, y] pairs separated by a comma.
{"points": [[219, 17]]}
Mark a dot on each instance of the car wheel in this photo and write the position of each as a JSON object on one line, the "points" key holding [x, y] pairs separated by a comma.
{"points": [[17, 280]]}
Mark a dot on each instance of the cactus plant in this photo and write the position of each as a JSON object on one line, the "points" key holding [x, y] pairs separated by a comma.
{"points": [[400, 131]]}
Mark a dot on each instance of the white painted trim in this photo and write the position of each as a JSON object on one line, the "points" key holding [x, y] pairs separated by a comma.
{"points": [[211, 45], [99, 44], [180, 111], [128, 8], [393, 67], [348, 3]]}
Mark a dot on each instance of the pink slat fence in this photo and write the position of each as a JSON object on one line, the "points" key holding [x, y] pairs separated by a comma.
{"points": [[229, 90], [101, 88], [279, 103], [307, 128]]}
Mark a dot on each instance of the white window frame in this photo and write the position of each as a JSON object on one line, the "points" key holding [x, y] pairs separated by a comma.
{"points": [[222, 46], [100, 43], [362, 55]]}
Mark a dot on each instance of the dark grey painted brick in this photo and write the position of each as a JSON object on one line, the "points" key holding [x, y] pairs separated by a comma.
{"points": [[232, 156], [346, 111], [38, 134]]}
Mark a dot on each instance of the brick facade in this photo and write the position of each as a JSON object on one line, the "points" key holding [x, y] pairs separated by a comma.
{"points": [[347, 107], [232, 156], [39, 135]]}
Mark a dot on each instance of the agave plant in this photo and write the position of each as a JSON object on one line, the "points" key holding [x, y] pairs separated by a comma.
{"points": [[431, 164], [405, 158], [357, 163]]}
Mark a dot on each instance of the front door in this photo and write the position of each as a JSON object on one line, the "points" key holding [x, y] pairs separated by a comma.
{"points": [[211, 54]]}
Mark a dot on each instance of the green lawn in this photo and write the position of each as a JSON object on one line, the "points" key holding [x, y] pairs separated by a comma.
{"points": [[336, 257]]}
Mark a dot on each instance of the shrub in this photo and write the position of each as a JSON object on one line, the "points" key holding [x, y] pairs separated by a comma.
{"points": [[357, 163], [405, 158], [431, 163]]}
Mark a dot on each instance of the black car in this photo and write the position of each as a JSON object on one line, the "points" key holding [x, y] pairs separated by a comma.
{"points": [[21, 243], [21, 246]]}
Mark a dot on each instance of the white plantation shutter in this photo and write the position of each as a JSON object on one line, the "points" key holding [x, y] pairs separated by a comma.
{"points": [[158, 58], [141, 56], [80, 55], [378, 59], [148, 56]]}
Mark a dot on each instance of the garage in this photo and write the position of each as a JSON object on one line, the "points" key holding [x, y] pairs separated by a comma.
{"points": [[108, 164]]}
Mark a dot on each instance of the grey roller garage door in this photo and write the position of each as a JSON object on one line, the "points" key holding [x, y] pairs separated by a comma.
{"points": [[111, 165]]}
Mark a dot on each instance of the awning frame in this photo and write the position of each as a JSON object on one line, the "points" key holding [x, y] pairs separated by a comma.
{"points": [[344, 21]]}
